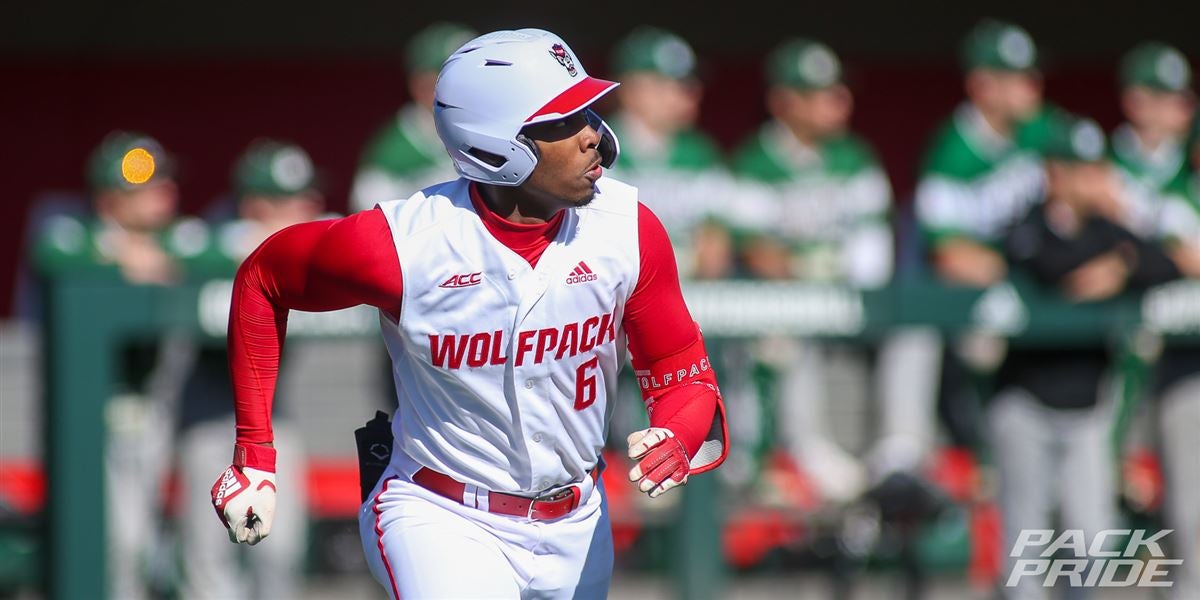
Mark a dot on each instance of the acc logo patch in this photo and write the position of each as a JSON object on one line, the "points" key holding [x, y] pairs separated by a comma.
{"points": [[560, 54]]}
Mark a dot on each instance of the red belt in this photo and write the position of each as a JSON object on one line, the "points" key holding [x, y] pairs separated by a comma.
{"points": [[540, 508]]}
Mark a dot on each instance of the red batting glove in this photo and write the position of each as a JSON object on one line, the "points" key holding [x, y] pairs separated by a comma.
{"points": [[244, 495], [662, 460]]}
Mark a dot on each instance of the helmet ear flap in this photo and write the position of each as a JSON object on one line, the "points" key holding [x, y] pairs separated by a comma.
{"points": [[529, 143], [608, 147]]}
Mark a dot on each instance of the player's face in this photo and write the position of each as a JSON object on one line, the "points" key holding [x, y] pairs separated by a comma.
{"points": [[662, 103], [420, 88], [568, 162], [1161, 113], [816, 114], [1011, 95], [1086, 186], [149, 207]]}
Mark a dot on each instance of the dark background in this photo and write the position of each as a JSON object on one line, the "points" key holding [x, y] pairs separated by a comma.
{"points": [[207, 77]]}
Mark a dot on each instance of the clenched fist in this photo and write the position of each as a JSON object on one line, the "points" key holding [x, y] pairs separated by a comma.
{"points": [[244, 495]]}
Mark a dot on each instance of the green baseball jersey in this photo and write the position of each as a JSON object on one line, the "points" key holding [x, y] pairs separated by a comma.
{"points": [[976, 183], [235, 240], [1179, 218], [1149, 179], [681, 178], [68, 245], [830, 203], [404, 156]]}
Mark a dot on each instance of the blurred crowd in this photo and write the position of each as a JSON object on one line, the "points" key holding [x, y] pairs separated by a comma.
{"points": [[1010, 186]]}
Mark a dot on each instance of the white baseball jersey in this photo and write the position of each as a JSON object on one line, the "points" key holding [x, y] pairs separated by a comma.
{"points": [[506, 373]]}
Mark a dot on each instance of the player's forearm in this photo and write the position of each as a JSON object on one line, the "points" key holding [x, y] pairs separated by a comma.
{"points": [[256, 333]]}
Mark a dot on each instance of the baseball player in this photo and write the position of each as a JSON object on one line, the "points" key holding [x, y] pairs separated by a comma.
{"points": [[135, 235], [1151, 152], [982, 172], [405, 154], [1150, 148], [507, 298], [1178, 384], [675, 164], [1050, 423]]}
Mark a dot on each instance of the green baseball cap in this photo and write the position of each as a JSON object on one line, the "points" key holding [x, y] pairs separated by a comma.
{"points": [[1075, 139], [430, 47], [804, 64], [1157, 66], [273, 168], [1000, 46], [649, 49], [124, 160]]}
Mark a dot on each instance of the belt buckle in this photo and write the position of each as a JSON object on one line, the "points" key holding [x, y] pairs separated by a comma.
{"points": [[560, 495]]}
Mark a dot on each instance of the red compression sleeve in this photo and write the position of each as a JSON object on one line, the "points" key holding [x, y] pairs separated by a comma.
{"points": [[318, 266], [662, 336]]}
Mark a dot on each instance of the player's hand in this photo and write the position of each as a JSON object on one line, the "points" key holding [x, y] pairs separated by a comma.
{"points": [[662, 460], [244, 498], [1098, 279]]}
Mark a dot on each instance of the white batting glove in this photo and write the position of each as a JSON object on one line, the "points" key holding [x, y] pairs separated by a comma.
{"points": [[244, 495], [662, 460]]}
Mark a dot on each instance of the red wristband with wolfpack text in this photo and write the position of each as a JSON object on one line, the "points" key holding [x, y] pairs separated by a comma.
{"points": [[681, 394], [682, 368], [254, 456]]}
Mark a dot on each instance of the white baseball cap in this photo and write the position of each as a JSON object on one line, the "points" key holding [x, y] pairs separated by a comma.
{"points": [[498, 83]]}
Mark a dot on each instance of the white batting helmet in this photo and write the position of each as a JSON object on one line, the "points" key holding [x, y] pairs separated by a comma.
{"points": [[500, 82]]}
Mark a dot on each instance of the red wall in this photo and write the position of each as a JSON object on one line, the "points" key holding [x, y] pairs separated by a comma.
{"points": [[205, 112]]}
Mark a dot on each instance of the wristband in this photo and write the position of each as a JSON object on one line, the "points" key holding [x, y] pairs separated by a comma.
{"points": [[254, 456]]}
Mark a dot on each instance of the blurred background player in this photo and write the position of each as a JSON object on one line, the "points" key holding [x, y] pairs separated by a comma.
{"points": [[680, 175], [405, 154], [276, 186], [134, 231], [831, 223], [1157, 167], [134, 234], [982, 173], [1177, 384], [676, 166], [1150, 148], [1050, 423]]}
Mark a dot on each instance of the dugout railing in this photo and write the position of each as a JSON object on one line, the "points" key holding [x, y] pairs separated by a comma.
{"points": [[87, 319]]}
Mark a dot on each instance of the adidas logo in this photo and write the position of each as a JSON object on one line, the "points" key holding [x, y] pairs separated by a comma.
{"points": [[229, 483], [580, 274], [464, 280]]}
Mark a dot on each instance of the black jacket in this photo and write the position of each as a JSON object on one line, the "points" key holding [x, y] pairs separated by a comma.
{"points": [[1070, 377]]}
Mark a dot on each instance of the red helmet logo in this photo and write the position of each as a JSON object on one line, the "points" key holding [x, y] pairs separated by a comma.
{"points": [[560, 54]]}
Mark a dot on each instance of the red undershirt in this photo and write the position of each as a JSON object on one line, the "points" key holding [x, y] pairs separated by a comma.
{"points": [[528, 240], [336, 264]]}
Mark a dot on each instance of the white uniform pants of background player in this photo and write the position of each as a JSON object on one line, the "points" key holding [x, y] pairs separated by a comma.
{"points": [[1179, 415], [213, 568], [1049, 461], [421, 545]]}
